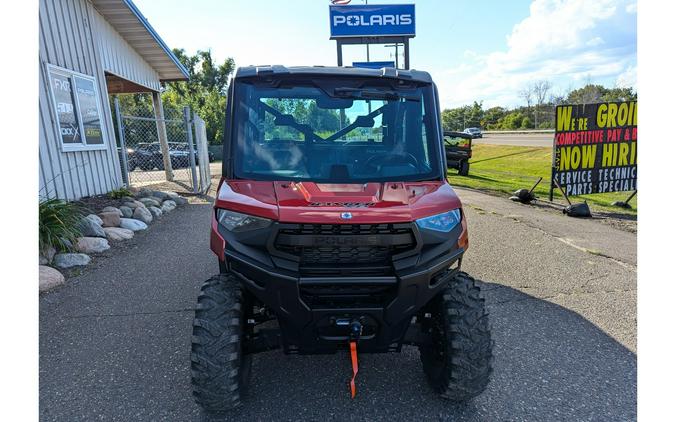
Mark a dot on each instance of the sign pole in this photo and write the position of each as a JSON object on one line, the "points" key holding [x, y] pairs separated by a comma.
{"points": [[553, 155], [339, 52], [406, 53]]}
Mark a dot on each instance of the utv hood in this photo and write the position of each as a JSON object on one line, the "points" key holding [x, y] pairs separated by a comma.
{"points": [[366, 203]]}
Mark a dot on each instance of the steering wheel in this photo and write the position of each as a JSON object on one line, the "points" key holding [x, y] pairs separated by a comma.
{"points": [[405, 158]]}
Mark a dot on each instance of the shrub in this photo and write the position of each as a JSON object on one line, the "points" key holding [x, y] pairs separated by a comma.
{"points": [[119, 193], [512, 121], [58, 224]]}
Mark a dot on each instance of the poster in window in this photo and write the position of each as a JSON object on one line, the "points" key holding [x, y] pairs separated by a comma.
{"points": [[69, 126], [91, 120]]}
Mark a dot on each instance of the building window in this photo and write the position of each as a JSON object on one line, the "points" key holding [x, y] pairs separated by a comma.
{"points": [[78, 111]]}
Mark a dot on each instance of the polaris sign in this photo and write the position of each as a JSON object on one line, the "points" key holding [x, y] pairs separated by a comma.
{"points": [[372, 21]]}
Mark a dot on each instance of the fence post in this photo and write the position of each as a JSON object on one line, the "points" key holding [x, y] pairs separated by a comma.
{"points": [[123, 147], [161, 134], [202, 153], [188, 128]]}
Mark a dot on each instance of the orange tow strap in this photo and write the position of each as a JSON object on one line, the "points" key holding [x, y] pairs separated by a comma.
{"points": [[355, 366]]}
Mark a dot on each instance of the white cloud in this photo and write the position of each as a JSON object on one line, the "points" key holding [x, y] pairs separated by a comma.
{"points": [[628, 78], [595, 41], [562, 41]]}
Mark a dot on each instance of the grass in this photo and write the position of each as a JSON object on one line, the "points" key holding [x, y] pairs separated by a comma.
{"points": [[58, 224], [503, 169], [119, 193]]}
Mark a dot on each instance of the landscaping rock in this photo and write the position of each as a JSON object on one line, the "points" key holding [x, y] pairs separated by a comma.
{"points": [[47, 256], [161, 196], [133, 204], [150, 202], [68, 260], [155, 211], [112, 209], [91, 226], [94, 218], [127, 212], [50, 278], [179, 200], [91, 245], [128, 199], [133, 225], [110, 219], [142, 213], [168, 205], [176, 198], [118, 233], [144, 192]]}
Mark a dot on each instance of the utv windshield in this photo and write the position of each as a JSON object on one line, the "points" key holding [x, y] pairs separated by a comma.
{"points": [[337, 131]]}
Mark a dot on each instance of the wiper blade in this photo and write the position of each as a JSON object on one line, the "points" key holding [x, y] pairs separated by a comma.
{"points": [[374, 94]]}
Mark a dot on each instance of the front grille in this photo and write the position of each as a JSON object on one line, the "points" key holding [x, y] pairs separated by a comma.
{"points": [[347, 295], [344, 249]]}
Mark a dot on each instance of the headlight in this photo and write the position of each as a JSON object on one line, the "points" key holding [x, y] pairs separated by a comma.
{"points": [[441, 222], [237, 222]]}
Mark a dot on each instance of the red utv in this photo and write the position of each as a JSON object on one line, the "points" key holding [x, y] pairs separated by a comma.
{"points": [[335, 228]]}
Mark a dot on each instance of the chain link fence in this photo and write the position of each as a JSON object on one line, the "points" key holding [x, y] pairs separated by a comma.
{"points": [[158, 147]]}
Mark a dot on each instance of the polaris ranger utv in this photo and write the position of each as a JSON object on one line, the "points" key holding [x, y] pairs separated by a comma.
{"points": [[335, 228]]}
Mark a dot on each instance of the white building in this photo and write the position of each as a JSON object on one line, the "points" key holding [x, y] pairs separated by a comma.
{"points": [[90, 49]]}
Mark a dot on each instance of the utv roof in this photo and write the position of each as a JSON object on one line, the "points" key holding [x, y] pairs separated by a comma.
{"points": [[385, 72]]}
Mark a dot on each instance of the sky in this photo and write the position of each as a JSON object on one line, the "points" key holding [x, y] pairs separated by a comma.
{"points": [[476, 50]]}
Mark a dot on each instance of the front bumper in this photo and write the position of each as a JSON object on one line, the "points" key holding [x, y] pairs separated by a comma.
{"points": [[311, 310]]}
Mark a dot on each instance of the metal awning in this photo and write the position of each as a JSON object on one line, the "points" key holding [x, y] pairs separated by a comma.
{"points": [[129, 22]]}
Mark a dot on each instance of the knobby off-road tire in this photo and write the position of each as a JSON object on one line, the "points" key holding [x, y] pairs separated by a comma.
{"points": [[458, 364], [464, 168], [220, 370]]}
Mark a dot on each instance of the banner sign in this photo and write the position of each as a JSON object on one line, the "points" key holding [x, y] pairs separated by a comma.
{"points": [[595, 148], [372, 20]]}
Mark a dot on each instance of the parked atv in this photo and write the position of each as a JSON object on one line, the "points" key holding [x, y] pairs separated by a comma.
{"points": [[458, 150], [335, 228]]}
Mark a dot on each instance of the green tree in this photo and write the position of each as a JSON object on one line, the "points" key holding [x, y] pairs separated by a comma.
{"points": [[205, 92], [453, 118], [462, 117], [512, 121], [492, 116], [619, 94], [588, 94]]}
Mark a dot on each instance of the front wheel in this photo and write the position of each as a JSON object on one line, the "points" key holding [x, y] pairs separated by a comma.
{"points": [[220, 369], [458, 362]]}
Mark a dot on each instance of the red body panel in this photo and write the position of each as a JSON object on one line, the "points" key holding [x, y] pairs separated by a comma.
{"points": [[314, 203], [308, 202]]}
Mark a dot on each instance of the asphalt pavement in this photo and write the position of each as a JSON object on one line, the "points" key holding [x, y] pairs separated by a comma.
{"points": [[517, 139], [115, 340]]}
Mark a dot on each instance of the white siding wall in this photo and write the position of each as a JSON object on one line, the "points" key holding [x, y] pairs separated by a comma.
{"points": [[73, 35], [118, 57], [66, 40]]}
